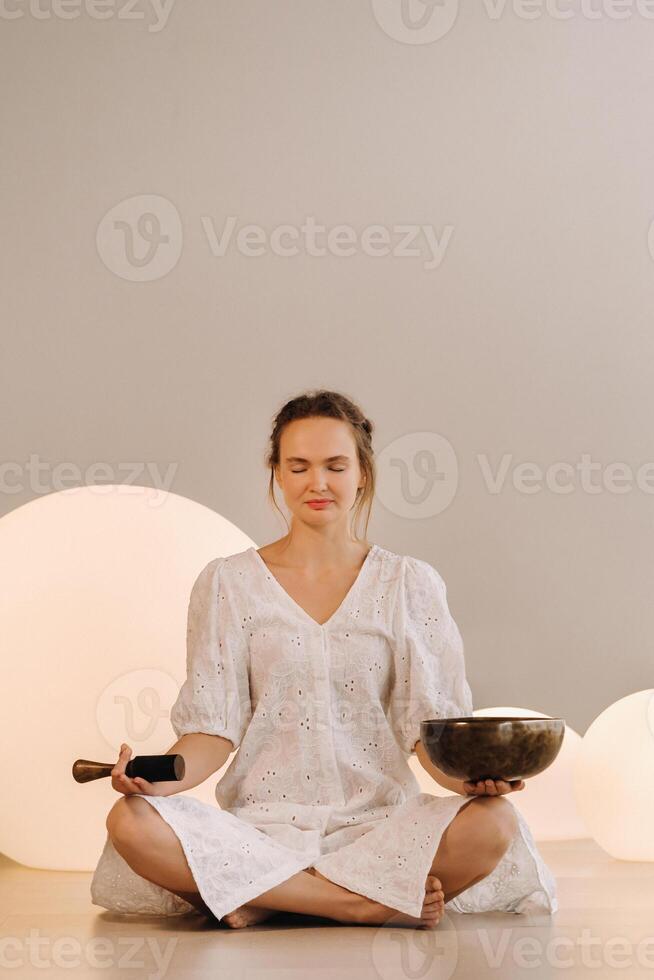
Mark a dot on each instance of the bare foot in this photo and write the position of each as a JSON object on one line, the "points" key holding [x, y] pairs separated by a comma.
{"points": [[247, 915], [433, 909]]}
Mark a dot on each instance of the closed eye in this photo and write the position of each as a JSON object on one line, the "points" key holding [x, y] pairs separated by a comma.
{"points": [[335, 469]]}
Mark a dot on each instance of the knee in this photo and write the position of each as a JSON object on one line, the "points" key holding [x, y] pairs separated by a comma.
{"points": [[495, 824], [123, 819]]}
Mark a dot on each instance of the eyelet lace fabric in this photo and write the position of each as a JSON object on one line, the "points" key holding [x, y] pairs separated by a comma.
{"points": [[323, 719]]}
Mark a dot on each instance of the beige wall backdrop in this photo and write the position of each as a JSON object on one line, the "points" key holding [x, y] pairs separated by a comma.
{"points": [[482, 284]]}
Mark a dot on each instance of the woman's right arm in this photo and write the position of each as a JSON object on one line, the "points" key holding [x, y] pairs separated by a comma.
{"points": [[203, 755], [213, 708]]}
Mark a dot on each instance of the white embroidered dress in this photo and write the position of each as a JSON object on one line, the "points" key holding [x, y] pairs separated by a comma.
{"points": [[324, 718]]}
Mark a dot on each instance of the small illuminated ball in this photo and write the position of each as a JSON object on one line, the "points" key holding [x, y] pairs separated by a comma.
{"points": [[614, 778], [547, 802], [94, 590]]}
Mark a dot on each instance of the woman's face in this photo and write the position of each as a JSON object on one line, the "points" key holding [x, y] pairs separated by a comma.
{"points": [[318, 459]]}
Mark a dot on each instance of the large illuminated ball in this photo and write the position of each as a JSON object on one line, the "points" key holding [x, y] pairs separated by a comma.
{"points": [[94, 590], [547, 802], [614, 778]]}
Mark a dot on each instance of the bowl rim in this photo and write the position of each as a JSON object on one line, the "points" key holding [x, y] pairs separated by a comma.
{"points": [[488, 719]]}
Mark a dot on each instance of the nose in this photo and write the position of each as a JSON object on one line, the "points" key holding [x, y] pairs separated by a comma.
{"points": [[318, 485]]}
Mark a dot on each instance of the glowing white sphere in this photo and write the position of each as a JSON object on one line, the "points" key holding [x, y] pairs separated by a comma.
{"points": [[94, 590], [614, 778]]}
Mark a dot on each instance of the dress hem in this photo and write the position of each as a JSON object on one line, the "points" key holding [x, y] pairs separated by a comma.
{"points": [[414, 909], [552, 899], [269, 881], [344, 882], [522, 904]]}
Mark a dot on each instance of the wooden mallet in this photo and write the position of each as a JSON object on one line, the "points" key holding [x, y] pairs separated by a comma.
{"points": [[154, 768]]}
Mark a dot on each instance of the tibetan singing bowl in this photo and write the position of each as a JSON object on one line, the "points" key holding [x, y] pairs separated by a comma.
{"points": [[492, 748]]}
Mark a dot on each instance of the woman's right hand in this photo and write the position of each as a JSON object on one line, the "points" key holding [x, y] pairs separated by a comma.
{"points": [[123, 784]]}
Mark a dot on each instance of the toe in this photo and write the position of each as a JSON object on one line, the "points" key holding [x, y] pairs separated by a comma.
{"points": [[434, 888], [432, 901], [431, 921]]}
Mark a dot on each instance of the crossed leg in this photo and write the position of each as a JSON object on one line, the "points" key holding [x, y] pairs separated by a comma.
{"points": [[152, 849], [473, 843], [470, 847]]}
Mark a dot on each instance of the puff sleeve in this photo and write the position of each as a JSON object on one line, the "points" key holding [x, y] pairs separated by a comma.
{"points": [[215, 697], [429, 676]]}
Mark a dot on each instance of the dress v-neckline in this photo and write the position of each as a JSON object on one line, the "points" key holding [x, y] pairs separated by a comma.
{"points": [[301, 609]]}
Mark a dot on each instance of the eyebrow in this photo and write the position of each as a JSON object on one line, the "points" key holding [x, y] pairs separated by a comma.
{"points": [[299, 459]]}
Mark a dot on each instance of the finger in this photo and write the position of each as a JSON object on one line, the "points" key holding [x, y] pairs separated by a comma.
{"points": [[491, 788], [128, 785], [144, 786], [123, 759]]}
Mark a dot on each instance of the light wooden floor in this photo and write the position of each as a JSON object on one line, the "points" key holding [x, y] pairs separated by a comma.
{"points": [[604, 928]]}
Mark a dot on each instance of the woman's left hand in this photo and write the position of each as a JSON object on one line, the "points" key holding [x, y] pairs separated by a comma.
{"points": [[493, 787]]}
